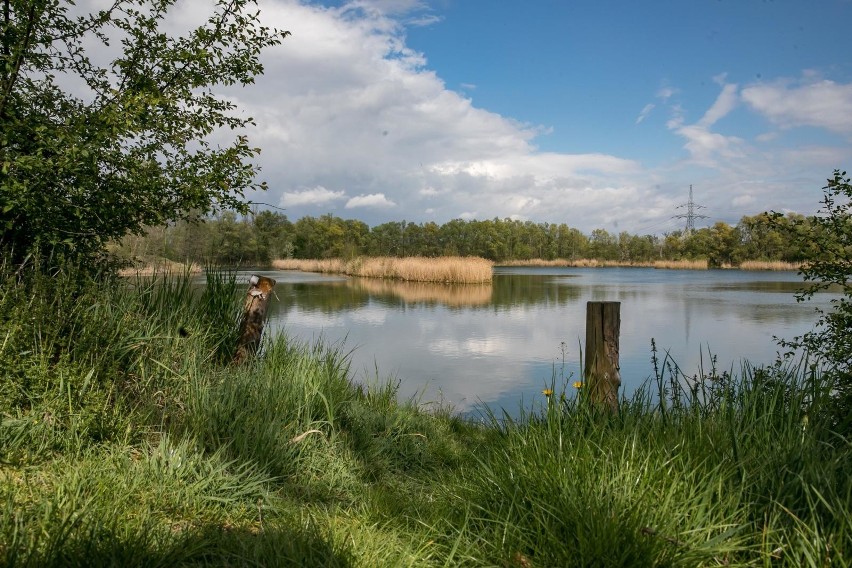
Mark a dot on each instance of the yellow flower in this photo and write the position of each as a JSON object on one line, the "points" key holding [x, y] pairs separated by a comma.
{"points": [[577, 384], [547, 392]]}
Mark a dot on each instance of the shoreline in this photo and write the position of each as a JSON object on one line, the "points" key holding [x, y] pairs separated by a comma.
{"points": [[478, 270]]}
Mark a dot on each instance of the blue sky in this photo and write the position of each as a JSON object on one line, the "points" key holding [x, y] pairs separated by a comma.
{"points": [[598, 114], [590, 67]]}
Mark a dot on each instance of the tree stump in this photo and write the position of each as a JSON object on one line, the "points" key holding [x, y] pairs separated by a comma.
{"points": [[254, 316], [602, 371]]}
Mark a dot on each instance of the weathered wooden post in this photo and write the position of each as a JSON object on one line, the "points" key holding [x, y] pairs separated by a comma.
{"points": [[254, 316], [603, 322]]}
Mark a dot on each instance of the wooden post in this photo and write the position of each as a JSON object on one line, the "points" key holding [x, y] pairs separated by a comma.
{"points": [[603, 322], [254, 316]]}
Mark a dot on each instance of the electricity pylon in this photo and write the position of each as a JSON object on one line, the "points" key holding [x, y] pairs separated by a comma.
{"points": [[690, 214]]}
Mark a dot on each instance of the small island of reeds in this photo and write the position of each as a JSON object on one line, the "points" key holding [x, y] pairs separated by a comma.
{"points": [[451, 269]]}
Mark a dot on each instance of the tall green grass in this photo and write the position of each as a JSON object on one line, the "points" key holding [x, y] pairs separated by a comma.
{"points": [[127, 438], [724, 470]]}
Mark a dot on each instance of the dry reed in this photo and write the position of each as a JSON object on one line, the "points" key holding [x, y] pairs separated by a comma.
{"points": [[464, 270], [700, 264], [595, 263], [161, 266], [768, 265]]}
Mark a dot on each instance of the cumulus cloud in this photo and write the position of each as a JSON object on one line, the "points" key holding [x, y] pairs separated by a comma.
{"points": [[824, 104], [345, 103], [373, 200], [316, 196]]}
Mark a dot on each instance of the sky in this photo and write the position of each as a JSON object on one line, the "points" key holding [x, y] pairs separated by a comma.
{"points": [[594, 113]]}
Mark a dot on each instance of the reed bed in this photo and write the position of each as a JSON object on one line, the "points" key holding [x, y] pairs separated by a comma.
{"points": [[328, 265], [769, 265], [700, 264], [161, 266], [453, 269]]}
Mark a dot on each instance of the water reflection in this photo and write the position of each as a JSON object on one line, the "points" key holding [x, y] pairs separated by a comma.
{"points": [[503, 341], [397, 292]]}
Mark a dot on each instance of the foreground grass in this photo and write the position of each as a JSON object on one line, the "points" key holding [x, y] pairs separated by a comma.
{"points": [[127, 440]]}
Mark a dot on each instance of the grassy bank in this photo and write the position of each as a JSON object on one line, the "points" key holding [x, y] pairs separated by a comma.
{"points": [[454, 269], [126, 439]]}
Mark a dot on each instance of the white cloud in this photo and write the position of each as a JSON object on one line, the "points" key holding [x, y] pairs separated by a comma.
{"points": [[373, 200], [725, 103], [742, 200], [316, 196], [423, 20], [706, 147], [345, 103], [643, 114], [824, 104], [720, 79], [665, 93]]}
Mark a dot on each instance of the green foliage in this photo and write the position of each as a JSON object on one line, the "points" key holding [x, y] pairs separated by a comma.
{"points": [[729, 470], [91, 151], [826, 244], [258, 238]]}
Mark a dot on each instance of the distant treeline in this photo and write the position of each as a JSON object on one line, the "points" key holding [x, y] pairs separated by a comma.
{"points": [[259, 238]]}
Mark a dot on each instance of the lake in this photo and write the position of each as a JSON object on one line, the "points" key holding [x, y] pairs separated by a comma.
{"points": [[502, 343]]}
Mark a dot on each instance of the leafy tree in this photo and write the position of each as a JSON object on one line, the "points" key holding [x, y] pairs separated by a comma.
{"points": [[760, 240], [90, 151], [826, 240], [723, 248], [274, 235], [386, 239], [635, 248], [603, 245], [431, 239], [571, 243]]}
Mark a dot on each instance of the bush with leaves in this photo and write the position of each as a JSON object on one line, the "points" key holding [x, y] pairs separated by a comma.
{"points": [[826, 243], [94, 147]]}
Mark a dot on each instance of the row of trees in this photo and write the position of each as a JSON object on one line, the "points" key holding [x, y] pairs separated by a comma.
{"points": [[259, 238]]}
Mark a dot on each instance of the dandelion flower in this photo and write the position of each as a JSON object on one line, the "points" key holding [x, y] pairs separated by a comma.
{"points": [[547, 392], [577, 384]]}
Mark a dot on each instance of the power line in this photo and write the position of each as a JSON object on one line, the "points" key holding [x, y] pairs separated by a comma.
{"points": [[267, 204], [690, 214]]}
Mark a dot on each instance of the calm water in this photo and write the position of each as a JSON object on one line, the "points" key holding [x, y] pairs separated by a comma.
{"points": [[500, 343]]}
